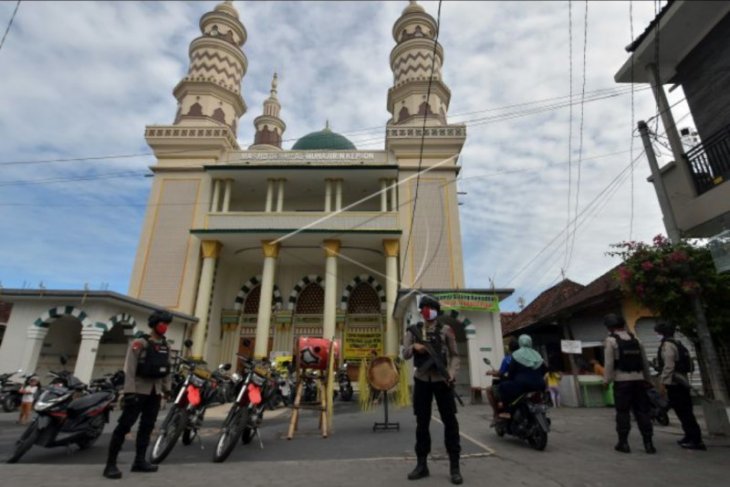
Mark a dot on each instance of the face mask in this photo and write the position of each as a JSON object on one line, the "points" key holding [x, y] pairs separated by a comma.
{"points": [[161, 329], [428, 313]]}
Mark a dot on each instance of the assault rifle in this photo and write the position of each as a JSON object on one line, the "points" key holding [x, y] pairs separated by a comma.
{"points": [[435, 361]]}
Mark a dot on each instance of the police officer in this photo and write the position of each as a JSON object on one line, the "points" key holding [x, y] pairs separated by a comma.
{"points": [[147, 377], [673, 382], [627, 367], [429, 383]]}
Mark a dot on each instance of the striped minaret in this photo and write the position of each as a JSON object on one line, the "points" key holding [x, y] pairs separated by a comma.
{"points": [[411, 61], [211, 91], [269, 126]]}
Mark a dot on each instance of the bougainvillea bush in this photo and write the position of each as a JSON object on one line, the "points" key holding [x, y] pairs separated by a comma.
{"points": [[663, 277]]}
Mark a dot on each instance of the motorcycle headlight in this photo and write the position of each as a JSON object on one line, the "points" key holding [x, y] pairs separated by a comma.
{"points": [[258, 380], [48, 400], [197, 381], [236, 377]]}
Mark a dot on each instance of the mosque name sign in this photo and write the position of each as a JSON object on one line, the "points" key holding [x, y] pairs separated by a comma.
{"points": [[309, 156]]}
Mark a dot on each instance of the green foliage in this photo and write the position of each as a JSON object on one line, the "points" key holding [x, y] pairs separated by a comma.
{"points": [[663, 277]]}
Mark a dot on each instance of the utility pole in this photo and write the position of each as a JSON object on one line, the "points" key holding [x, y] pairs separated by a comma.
{"points": [[717, 384]]}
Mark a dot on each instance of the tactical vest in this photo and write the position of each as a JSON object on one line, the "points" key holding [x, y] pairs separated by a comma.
{"points": [[683, 365], [154, 359], [436, 339], [629, 354]]}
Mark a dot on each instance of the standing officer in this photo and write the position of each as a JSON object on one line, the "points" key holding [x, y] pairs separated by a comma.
{"points": [[674, 365], [429, 383], [627, 367], [147, 377]]}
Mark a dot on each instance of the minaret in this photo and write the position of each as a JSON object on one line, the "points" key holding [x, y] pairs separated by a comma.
{"points": [[269, 127], [411, 60], [210, 94]]}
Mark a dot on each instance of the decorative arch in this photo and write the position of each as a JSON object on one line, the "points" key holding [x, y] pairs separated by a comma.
{"points": [[248, 287], [304, 282], [363, 279], [128, 323], [46, 318]]}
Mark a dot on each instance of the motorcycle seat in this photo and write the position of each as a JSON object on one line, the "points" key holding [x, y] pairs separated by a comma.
{"points": [[89, 401]]}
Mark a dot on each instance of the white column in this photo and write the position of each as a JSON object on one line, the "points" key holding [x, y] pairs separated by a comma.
{"points": [[33, 345], [338, 194], [269, 194], [391, 247], [271, 253], [211, 251], [216, 195], [280, 199], [383, 195], [90, 338], [394, 195], [327, 195], [227, 195], [331, 250]]}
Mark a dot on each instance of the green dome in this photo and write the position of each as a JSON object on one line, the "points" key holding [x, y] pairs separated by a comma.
{"points": [[325, 139]]}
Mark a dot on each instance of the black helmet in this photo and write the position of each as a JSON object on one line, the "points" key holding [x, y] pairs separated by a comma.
{"points": [[159, 316], [429, 301], [613, 320], [665, 329]]}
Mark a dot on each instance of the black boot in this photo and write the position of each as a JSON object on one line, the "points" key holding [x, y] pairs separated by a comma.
{"points": [[140, 462], [420, 471], [454, 470], [623, 444], [649, 446], [110, 470]]}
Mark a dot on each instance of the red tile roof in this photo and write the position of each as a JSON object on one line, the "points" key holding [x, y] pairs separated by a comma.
{"points": [[542, 305]]}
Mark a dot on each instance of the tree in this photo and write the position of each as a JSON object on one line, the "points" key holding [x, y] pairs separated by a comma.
{"points": [[668, 278]]}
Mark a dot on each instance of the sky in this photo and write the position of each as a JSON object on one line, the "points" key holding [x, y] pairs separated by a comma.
{"points": [[82, 79]]}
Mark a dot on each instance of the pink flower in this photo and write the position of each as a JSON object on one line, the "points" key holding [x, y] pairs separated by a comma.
{"points": [[678, 256], [624, 273]]}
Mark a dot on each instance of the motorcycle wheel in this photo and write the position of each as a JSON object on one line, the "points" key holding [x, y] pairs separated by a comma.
{"points": [[232, 427], [247, 435], [10, 404], [170, 431], [25, 442], [538, 440], [662, 418], [499, 430], [346, 395]]}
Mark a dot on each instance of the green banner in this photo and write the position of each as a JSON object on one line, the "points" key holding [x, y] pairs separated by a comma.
{"points": [[468, 301]]}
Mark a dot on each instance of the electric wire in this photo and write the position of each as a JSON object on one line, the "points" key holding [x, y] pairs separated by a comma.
{"points": [[10, 23], [570, 128]]}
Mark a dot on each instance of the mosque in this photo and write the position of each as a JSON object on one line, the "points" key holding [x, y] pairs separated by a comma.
{"points": [[263, 244]]}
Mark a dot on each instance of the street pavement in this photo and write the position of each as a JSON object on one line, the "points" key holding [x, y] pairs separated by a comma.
{"points": [[579, 453]]}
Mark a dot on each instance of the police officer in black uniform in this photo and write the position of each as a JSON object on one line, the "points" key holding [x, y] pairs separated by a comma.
{"points": [[628, 369], [147, 377], [428, 384]]}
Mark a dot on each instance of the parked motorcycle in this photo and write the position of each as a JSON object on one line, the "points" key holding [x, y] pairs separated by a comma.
{"points": [[67, 412], [256, 391], [345, 386], [527, 420], [10, 396], [194, 396]]}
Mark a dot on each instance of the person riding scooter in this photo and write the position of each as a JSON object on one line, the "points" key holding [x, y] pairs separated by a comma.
{"points": [[526, 373]]}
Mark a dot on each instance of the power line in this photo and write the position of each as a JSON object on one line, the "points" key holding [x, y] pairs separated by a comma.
{"points": [[10, 23], [631, 149], [570, 127], [423, 133]]}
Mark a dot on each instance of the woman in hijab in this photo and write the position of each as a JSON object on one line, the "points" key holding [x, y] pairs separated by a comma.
{"points": [[526, 373]]}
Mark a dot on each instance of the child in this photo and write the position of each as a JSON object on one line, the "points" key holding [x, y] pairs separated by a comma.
{"points": [[553, 382], [26, 403]]}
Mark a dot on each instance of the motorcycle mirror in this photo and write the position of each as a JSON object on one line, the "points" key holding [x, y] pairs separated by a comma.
{"points": [[64, 359], [226, 366], [188, 343], [486, 361]]}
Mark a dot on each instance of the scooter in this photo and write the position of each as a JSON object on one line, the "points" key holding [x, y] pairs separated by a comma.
{"points": [[527, 419], [67, 413], [345, 386], [10, 395]]}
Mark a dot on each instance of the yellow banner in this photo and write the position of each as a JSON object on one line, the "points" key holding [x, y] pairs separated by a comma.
{"points": [[358, 344]]}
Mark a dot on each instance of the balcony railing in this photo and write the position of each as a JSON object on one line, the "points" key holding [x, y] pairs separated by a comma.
{"points": [[346, 220], [709, 161]]}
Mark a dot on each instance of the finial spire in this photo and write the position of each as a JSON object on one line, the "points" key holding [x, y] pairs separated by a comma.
{"points": [[327, 124], [274, 84]]}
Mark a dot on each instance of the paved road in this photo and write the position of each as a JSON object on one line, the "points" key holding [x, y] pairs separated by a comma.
{"points": [[579, 453]]}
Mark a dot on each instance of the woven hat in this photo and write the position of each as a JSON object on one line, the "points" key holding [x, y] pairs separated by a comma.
{"points": [[382, 374]]}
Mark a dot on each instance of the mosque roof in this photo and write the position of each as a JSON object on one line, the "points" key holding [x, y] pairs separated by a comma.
{"points": [[325, 139]]}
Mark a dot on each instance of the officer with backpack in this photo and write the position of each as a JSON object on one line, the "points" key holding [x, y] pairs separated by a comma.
{"points": [[674, 365], [627, 367], [147, 377]]}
